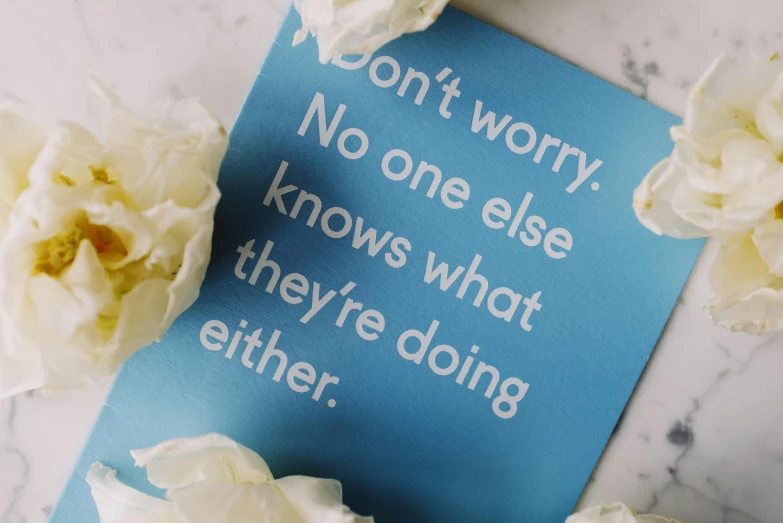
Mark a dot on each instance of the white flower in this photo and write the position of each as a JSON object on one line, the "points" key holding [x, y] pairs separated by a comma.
{"points": [[362, 26], [107, 245], [724, 179], [725, 175], [212, 479], [615, 513]]}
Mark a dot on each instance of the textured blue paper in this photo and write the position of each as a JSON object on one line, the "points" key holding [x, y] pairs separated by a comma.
{"points": [[407, 444]]}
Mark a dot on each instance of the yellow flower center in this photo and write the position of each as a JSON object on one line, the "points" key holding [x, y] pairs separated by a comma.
{"points": [[713, 200], [58, 252], [779, 211], [65, 180], [98, 174]]}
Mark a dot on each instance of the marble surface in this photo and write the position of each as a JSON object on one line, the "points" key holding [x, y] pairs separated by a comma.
{"points": [[702, 439]]}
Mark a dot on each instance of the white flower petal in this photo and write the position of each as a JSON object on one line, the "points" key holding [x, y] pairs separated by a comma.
{"points": [[614, 513], [318, 500], [362, 26], [195, 260], [213, 479], [70, 156], [138, 322], [119, 503], [725, 98], [652, 202], [747, 296], [75, 298], [743, 160], [768, 238], [174, 155], [178, 463], [769, 114], [734, 196], [215, 502]]}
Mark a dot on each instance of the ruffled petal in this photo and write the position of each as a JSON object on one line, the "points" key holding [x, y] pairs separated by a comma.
{"points": [[747, 296], [653, 202], [769, 115], [178, 463], [318, 500], [119, 503], [614, 513], [20, 142], [174, 154], [768, 238], [725, 98], [362, 26]]}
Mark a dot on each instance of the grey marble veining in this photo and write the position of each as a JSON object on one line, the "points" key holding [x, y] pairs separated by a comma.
{"points": [[701, 440]]}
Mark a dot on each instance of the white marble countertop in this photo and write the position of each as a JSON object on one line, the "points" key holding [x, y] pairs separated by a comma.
{"points": [[702, 440]]}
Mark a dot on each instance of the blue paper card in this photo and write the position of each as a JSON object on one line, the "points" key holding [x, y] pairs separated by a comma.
{"points": [[427, 282]]}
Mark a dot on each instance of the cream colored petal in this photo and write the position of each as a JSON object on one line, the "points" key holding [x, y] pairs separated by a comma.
{"points": [[88, 283], [747, 296], [136, 233], [702, 172], [183, 127], [318, 500], [180, 249], [742, 160], [768, 238], [119, 503], [16, 261], [174, 155], [738, 270], [291, 500], [615, 513], [653, 202], [179, 463], [202, 133], [362, 26], [58, 308], [215, 502], [747, 160], [70, 157], [769, 115], [20, 142], [140, 320], [735, 196], [651, 518], [157, 174], [725, 98], [704, 151], [67, 339], [185, 288]]}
